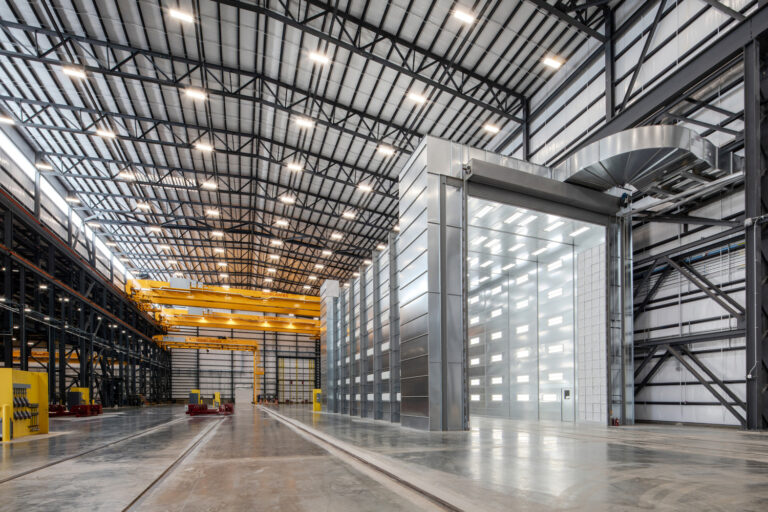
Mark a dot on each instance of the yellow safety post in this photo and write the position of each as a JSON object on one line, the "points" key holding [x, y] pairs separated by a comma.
{"points": [[316, 399], [6, 422]]}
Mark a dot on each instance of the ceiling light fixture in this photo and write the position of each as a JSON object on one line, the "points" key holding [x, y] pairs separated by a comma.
{"points": [[303, 122], [196, 94], [319, 58], [72, 199], [203, 147], [312, 278], [217, 233], [367, 262], [396, 228], [269, 280], [349, 214], [281, 223], [106, 134], [274, 257], [224, 275], [181, 16], [307, 287], [336, 236], [464, 16], [386, 150], [491, 128], [365, 187], [327, 252], [143, 206], [6, 120], [319, 266], [417, 98], [218, 250], [126, 175], [272, 270], [44, 166], [222, 263], [293, 166], [553, 62], [110, 244], [74, 72], [212, 212], [155, 229], [164, 247], [381, 247], [209, 185], [579, 231], [288, 199], [276, 242]]}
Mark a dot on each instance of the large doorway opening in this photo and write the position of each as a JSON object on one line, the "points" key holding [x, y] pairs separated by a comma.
{"points": [[536, 313]]}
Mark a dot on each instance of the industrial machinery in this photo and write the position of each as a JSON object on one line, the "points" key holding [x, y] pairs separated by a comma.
{"points": [[78, 404], [21, 394], [197, 406]]}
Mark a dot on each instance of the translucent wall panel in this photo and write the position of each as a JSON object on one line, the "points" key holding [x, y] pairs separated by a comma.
{"points": [[522, 310]]}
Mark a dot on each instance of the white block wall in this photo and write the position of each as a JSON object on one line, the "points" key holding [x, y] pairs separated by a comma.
{"points": [[591, 356]]}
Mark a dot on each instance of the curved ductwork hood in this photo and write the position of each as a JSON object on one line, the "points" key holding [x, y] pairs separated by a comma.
{"points": [[638, 157]]}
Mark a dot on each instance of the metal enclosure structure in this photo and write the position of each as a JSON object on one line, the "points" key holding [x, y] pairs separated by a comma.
{"points": [[432, 290], [360, 333]]}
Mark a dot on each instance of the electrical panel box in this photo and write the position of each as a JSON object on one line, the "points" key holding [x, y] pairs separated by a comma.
{"points": [[195, 397], [23, 403]]}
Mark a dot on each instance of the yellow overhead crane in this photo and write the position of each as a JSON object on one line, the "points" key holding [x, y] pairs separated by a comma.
{"points": [[298, 313], [203, 342], [148, 293]]}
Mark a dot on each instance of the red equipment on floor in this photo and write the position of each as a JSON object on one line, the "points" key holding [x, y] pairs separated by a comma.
{"points": [[57, 410], [198, 409]]}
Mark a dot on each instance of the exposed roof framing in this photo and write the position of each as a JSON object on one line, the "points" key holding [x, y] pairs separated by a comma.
{"points": [[251, 61]]}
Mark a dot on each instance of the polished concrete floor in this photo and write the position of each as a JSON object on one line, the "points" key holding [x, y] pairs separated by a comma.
{"points": [[270, 459]]}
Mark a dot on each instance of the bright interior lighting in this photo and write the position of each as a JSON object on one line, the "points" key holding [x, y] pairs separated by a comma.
{"points": [[507, 267], [554, 226], [170, 262], [110, 244], [474, 382], [367, 262], [516, 247], [497, 398], [281, 223], [143, 206], [126, 175], [212, 213], [348, 214], [196, 94], [498, 334], [276, 242], [522, 329], [579, 231], [528, 220], [538, 251], [164, 247], [523, 398], [106, 134], [218, 250], [522, 304], [293, 166], [336, 236], [491, 128], [72, 199], [365, 187], [416, 97], [522, 379], [203, 147], [319, 58], [474, 341], [155, 229], [222, 263], [43, 166], [464, 16], [512, 218], [303, 122], [6, 120], [181, 16], [327, 252], [396, 228], [555, 349], [474, 398], [484, 211], [274, 257], [217, 233], [474, 361], [307, 287], [319, 266], [555, 265], [381, 247], [523, 353], [224, 275], [74, 72], [555, 321], [386, 150], [288, 199], [272, 270], [553, 62], [312, 278]]}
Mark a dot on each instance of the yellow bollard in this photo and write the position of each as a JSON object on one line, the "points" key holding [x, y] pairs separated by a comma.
{"points": [[316, 399], [6, 422]]}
